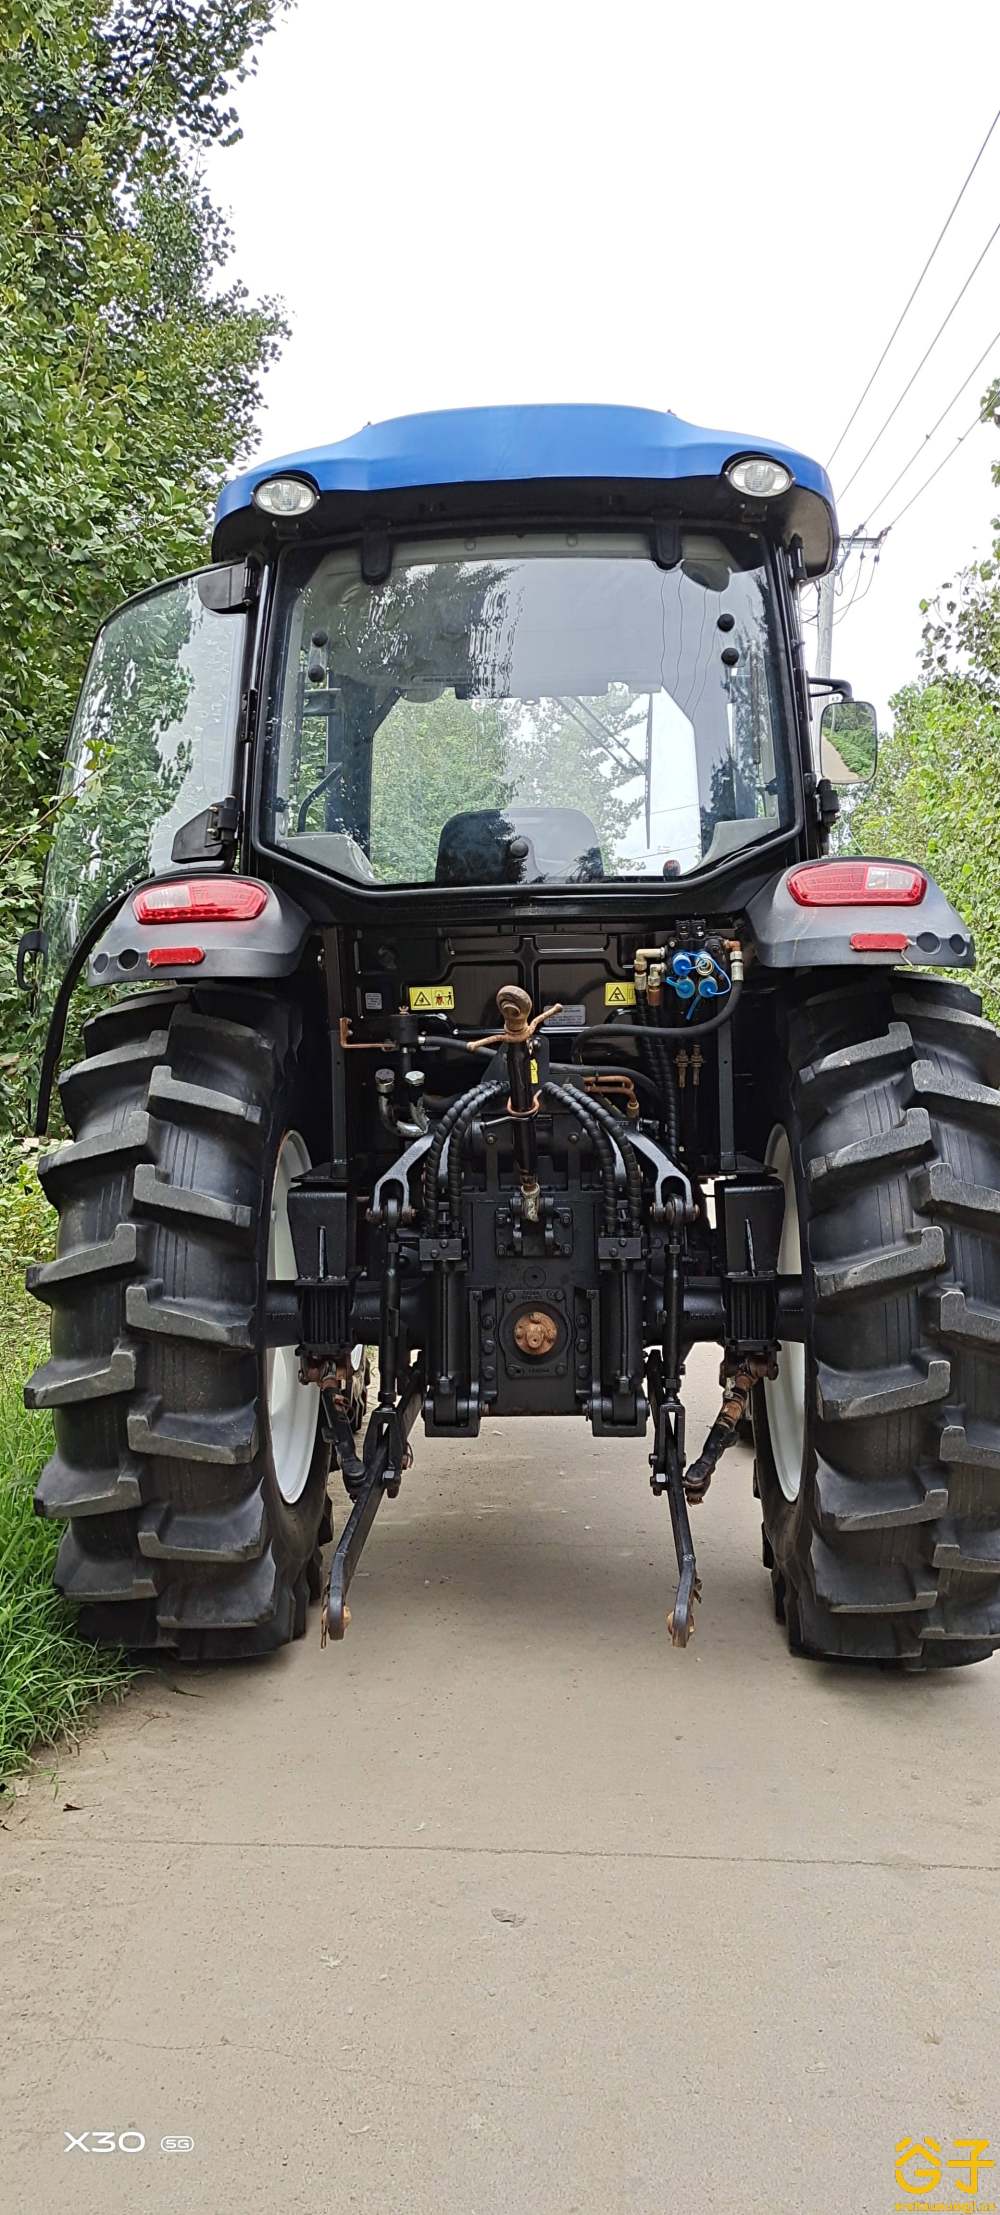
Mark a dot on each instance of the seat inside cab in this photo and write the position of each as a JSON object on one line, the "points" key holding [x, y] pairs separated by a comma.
{"points": [[519, 845]]}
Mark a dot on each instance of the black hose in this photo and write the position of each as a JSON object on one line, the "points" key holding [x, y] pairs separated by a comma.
{"points": [[661, 1076], [487, 1094], [590, 1114], [619, 1137], [662, 1063], [476, 1094], [578, 1104], [641, 1079], [682, 1033]]}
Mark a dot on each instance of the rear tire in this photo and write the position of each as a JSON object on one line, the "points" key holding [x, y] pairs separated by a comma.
{"points": [[887, 1547], [192, 1523]]}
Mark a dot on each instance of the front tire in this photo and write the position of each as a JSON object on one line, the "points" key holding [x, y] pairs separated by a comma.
{"points": [[190, 1466], [884, 1527]]}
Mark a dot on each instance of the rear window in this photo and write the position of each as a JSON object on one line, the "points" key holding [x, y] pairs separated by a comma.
{"points": [[536, 709]]}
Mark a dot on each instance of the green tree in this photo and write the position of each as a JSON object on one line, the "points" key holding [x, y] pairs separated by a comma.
{"points": [[585, 753], [129, 371], [432, 759], [936, 796]]}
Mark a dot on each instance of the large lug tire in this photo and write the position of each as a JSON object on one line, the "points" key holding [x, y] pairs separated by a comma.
{"points": [[883, 1528], [190, 1467]]}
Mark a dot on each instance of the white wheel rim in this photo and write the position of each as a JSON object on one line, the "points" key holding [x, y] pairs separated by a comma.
{"points": [[292, 1408], [785, 1394]]}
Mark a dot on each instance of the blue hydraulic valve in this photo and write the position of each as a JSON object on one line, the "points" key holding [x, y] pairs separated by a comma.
{"points": [[697, 977]]}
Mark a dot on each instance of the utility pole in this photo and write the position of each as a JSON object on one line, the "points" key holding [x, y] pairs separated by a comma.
{"points": [[824, 626], [852, 542]]}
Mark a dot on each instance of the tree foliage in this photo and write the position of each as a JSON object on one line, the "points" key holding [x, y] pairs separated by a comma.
{"points": [[129, 369], [936, 797]]}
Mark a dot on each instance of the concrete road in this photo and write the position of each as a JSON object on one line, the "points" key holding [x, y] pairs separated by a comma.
{"points": [[506, 1905]]}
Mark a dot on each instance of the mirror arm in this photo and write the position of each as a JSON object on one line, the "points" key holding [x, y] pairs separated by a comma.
{"points": [[831, 684], [827, 803]]}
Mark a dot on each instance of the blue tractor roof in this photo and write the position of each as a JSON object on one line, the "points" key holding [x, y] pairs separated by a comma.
{"points": [[482, 446]]}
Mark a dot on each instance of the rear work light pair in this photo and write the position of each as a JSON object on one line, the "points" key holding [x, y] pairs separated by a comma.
{"points": [[195, 900]]}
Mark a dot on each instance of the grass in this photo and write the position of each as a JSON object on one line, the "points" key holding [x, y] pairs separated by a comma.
{"points": [[49, 1678]]}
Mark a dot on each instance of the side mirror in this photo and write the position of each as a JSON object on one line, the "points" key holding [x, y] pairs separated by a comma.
{"points": [[848, 737]]}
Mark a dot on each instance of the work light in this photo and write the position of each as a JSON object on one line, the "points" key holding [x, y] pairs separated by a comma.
{"points": [[285, 496], [758, 475]]}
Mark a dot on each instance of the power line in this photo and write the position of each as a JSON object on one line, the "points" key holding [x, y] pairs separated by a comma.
{"points": [[838, 618], [942, 327], [960, 441], [858, 598], [897, 327], [928, 435]]}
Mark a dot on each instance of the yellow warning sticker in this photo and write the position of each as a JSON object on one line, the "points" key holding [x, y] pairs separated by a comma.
{"points": [[534, 1064], [619, 994], [424, 996]]}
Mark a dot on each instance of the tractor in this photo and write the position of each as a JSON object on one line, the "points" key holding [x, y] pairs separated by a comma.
{"points": [[489, 1005]]}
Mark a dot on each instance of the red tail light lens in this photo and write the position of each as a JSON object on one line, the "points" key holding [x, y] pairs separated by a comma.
{"points": [[175, 957], [863, 884], [200, 900]]}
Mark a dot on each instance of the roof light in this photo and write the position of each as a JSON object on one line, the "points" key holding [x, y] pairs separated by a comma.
{"points": [[760, 476], [285, 496], [175, 957], [865, 884], [200, 900]]}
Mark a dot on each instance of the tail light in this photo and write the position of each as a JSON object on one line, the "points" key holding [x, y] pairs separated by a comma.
{"points": [[200, 900], [863, 884]]}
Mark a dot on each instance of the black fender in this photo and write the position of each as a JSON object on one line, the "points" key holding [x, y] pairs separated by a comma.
{"points": [[268, 946], [116, 947], [789, 936]]}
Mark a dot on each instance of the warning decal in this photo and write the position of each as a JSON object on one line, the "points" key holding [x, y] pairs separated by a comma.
{"points": [[432, 996], [619, 994]]}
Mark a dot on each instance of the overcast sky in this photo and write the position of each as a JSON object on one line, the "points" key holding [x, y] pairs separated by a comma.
{"points": [[718, 209]]}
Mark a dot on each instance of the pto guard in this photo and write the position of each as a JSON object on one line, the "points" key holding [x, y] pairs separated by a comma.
{"points": [[789, 936], [270, 945]]}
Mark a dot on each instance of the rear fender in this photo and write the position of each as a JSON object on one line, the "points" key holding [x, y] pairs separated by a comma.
{"points": [[789, 936], [269, 946], [116, 947]]}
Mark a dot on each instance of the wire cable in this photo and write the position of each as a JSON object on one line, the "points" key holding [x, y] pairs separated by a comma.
{"points": [[928, 435], [857, 586], [897, 327], [942, 327], [857, 598], [952, 451]]}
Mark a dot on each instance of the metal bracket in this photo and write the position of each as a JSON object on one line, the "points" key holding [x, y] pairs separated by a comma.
{"points": [[397, 1178], [666, 1172]]}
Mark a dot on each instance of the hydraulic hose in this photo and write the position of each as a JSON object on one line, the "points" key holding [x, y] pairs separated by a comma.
{"points": [[663, 1069], [679, 1033], [641, 1078], [616, 1131], [594, 1118], [472, 1099], [488, 1093], [581, 1105]]}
